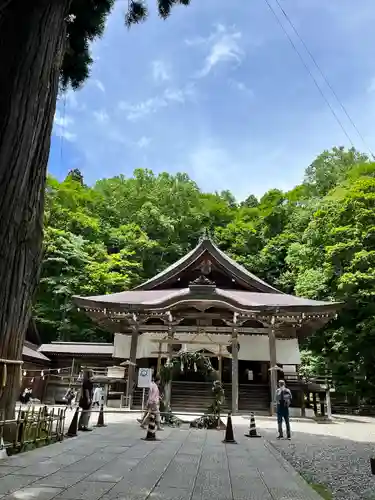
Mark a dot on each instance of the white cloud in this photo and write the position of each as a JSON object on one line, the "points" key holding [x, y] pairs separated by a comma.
{"points": [[160, 72], [136, 111], [71, 100], [101, 116], [62, 121], [242, 87], [143, 142], [222, 46], [117, 136], [65, 134], [144, 108], [215, 168], [99, 85], [61, 126], [179, 95]]}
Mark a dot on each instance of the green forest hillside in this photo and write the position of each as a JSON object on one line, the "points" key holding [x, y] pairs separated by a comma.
{"points": [[316, 241]]}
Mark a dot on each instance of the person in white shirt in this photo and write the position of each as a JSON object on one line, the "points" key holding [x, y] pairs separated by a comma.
{"points": [[97, 397], [153, 403]]}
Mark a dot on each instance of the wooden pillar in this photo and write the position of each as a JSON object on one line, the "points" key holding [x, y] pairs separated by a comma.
{"points": [[273, 365], [159, 358], [234, 365], [133, 358], [328, 395], [328, 402], [303, 403], [220, 359], [168, 386], [315, 404]]}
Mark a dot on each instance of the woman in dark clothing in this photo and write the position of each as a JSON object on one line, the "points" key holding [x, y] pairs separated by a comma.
{"points": [[85, 401]]}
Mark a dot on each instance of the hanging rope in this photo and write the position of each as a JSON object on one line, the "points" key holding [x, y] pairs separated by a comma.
{"points": [[4, 371]]}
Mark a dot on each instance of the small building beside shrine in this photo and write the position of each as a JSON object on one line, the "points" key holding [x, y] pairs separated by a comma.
{"points": [[34, 362], [208, 302]]}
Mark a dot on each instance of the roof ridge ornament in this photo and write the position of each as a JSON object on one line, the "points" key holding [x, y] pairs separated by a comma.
{"points": [[202, 285], [202, 280]]}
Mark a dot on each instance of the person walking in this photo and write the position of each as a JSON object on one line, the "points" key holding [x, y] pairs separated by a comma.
{"points": [[97, 397], [85, 401], [283, 401], [69, 396], [153, 403]]}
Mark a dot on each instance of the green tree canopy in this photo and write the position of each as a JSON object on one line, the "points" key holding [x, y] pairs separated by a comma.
{"points": [[122, 231]]}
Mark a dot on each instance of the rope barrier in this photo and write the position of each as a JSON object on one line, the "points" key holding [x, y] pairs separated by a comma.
{"points": [[11, 361]]}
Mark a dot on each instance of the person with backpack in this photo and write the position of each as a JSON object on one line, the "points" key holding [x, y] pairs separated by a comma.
{"points": [[283, 401]]}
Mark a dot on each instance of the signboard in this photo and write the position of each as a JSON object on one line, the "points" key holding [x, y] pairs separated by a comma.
{"points": [[116, 371], [144, 377]]}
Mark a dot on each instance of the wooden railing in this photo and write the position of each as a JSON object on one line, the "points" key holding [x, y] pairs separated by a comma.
{"points": [[311, 379], [32, 428], [345, 408]]}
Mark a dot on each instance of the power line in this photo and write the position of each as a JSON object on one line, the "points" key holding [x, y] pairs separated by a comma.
{"points": [[310, 73], [323, 76]]}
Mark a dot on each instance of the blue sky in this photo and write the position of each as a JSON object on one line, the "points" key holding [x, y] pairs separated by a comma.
{"points": [[218, 91]]}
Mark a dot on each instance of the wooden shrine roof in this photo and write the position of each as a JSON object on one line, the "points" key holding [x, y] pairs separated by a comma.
{"points": [[158, 299], [77, 348], [206, 277], [32, 351], [207, 247]]}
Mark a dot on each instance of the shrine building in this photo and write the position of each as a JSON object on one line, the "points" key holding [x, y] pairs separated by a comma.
{"points": [[207, 302]]}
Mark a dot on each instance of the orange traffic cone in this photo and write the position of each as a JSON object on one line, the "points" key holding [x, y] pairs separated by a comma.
{"points": [[100, 422], [151, 429], [229, 436], [253, 430], [73, 427]]}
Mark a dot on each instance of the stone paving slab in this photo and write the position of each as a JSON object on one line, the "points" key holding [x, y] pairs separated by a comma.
{"points": [[114, 463]]}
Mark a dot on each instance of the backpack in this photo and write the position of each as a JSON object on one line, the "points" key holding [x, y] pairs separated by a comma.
{"points": [[284, 399]]}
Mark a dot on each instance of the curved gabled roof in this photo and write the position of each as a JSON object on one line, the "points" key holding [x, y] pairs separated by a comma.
{"points": [[238, 272], [159, 299]]}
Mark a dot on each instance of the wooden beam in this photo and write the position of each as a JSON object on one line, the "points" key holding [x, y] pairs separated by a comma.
{"points": [[179, 341], [226, 330], [177, 355]]}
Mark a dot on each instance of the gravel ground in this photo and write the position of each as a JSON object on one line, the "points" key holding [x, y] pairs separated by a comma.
{"points": [[335, 455]]}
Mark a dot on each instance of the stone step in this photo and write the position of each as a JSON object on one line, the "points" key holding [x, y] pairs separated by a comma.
{"points": [[198, 396]]}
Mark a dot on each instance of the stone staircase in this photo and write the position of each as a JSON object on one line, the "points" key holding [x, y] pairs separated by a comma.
{"points": [[196, 397], [255, 398], [137, 399]]}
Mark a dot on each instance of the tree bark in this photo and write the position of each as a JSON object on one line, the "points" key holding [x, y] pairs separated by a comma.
{"points": [[32, 42]]}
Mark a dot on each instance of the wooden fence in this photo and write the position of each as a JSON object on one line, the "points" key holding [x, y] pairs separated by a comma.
{"points": [[32, 428]]}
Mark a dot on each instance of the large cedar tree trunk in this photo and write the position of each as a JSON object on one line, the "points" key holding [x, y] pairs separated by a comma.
{"points": [[32, 41]]}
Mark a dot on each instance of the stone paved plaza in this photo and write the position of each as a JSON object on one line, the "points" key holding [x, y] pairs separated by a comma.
{"points": [[114, 463]]}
